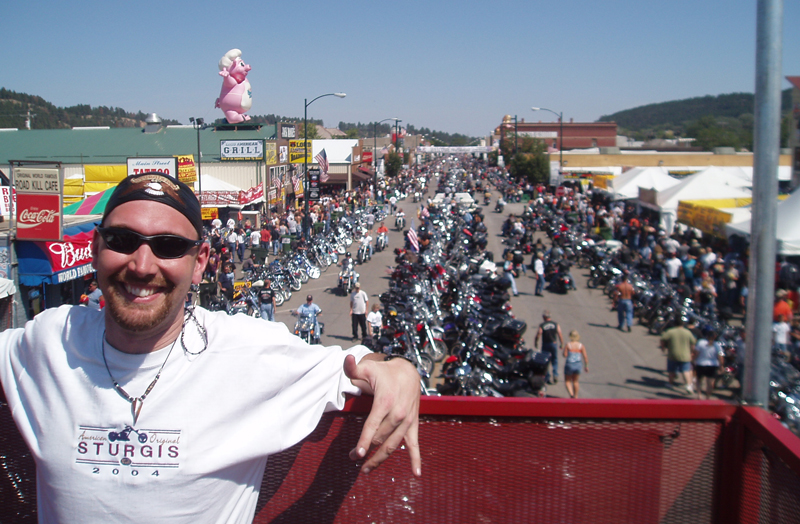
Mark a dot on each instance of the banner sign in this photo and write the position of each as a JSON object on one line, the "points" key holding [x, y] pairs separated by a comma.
{"points": [[219, 198], [38, 216], [241, 149], [38, 180], [366, 156], [539, 134], [209, 213], [5, 200], [313, 183], [297, 152], [187, 171], [454, 149], [271, 153], [165, 165], [707, 219], [251, 195]]}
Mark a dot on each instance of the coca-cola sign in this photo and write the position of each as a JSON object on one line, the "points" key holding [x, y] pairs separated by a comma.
{"points": [[38, 217]]}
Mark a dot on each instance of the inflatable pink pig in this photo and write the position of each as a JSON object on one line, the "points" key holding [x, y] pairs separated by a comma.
{"points": [[235, 98]]}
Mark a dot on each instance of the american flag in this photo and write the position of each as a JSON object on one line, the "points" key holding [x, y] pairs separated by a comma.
{"points": [[413, 239], [296, 183], [424, 213], [277, 182], [322, 160]]}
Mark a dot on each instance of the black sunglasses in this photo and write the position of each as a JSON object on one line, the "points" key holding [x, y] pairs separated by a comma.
{"points": [[126, 241]]}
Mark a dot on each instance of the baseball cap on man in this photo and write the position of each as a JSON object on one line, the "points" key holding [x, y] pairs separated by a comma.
{"points": [[158, 187]]}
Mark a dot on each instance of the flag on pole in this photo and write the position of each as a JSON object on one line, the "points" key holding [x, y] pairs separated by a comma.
{"points": [[277, 182], [296, 183], [322, 160], [424, 213], [413, 239]]}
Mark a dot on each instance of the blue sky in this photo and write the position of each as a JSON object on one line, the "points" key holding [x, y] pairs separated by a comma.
{"points": [[455, 66]]}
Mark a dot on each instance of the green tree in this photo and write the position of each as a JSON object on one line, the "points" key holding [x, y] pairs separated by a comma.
{"points": [[394, 163], [352, 132], [531, 162], [709, 132], [312, 131]]}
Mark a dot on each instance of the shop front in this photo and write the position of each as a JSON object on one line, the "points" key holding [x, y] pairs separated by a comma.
{"points": [[55, 273]]}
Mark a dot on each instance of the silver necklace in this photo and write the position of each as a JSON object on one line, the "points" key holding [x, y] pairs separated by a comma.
{"points": [[136, 402]]}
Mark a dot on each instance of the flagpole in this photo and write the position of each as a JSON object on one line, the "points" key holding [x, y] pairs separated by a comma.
{"points": [[306, 192]]}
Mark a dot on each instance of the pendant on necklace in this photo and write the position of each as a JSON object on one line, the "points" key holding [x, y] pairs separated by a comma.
{"points": [[136, 408]]}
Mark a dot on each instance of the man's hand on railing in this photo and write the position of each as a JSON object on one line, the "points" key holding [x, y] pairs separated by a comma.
{"points": [[395, 408]]}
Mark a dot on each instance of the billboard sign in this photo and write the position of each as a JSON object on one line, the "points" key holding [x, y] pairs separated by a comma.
{"points": [[166, 165], [241, 149]]}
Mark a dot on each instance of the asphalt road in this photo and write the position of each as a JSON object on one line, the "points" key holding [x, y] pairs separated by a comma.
{"points": [[621, 365]]}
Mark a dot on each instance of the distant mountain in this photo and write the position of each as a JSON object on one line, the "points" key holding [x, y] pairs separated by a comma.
{"points": [[674, 117], [15, 107]]}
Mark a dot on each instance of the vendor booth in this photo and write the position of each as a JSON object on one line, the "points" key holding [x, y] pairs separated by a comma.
{"points": [[626, 185], [788, 226], [716, 182], [54, 273]]}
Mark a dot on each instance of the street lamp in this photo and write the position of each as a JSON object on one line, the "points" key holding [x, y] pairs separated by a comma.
{"points": [[396, 134], [374, 154], [198, 124], [560, 138], [306, 217]]}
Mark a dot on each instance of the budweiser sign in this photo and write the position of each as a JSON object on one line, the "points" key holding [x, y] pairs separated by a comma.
{"points": [[74, 251], [38, 216]]}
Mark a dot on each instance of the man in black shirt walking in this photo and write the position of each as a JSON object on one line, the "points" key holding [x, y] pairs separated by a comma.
{"points": [[552, 342]]}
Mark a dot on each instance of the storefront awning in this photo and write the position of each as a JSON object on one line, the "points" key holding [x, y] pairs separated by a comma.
{"points": [[57, 262]]}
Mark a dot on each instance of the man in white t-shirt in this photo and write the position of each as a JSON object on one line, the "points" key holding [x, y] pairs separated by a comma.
{"points": [[255, 239], [144, 401], [359, 302]]}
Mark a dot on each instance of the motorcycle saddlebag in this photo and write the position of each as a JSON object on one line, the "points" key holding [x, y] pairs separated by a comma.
{"points": [[537, 362], [512, 329]]}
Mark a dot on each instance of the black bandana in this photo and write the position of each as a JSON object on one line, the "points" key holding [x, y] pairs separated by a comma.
{"points": [[158, 187]]}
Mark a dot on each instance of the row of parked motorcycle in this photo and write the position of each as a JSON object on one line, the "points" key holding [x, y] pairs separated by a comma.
{"points": [[447, 304], [657, 304]]}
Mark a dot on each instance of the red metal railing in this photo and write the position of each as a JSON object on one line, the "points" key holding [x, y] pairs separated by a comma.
{"points": [[521, 460]]}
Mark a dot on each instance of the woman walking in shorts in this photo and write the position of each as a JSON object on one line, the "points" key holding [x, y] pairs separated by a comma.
{"points": [[708, 359], [575, 356]]}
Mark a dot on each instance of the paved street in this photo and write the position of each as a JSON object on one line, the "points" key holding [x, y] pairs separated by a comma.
{"points": [[621, 365]]}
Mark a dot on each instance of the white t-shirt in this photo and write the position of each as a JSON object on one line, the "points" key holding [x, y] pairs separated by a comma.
{"points": [[255, 238], [358, 301], [375, 318], [707, 353], [781, 331], [200, 446]]}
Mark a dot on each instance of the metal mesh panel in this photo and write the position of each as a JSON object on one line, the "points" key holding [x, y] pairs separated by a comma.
{"points": [[17, 472], [507, 470], [770, 489]]}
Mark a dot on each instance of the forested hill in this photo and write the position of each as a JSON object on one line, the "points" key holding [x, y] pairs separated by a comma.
{"points": [[14, 108], [678, 114]]}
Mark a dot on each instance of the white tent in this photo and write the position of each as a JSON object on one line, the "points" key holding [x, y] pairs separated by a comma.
{"points": [[788, 230], [710, 183], [628, 183]]}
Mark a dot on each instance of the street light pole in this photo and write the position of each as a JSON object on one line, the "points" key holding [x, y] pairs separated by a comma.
{"points": [[561, 135], [198, 124], [374, 155], [306, 220]]}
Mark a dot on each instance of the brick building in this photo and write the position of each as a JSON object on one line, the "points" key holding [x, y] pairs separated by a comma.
{"points": [[577, 135]]}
